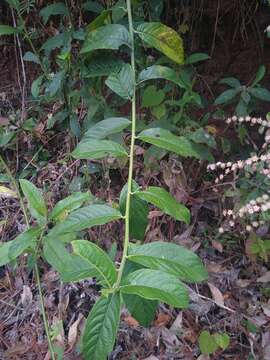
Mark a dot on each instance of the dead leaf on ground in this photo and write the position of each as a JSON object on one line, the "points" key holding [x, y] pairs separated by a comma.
{"points": [[177, 325], [26, 296], [216, 294], [162, 319], [73, 331], [265, 278], [217, 245], [131, 321]]}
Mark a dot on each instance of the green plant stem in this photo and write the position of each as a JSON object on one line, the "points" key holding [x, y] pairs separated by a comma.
{"points": [[131, 151], [36, 270]]}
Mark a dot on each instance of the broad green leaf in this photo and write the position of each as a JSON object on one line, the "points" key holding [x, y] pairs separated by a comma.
{"points": [[141, 309], [201, 136], [226, 96], [164, 39], [158, 72], [70, 203], [93, 6], [106, 37], [222, 340], [101, 65], [102, 19], [56, 83], [197, 57], [207, 343], [231, 81], [119, 11], [122, 82], [260, 75], [245, 96], [69, 266], [166, 202], [170, 258], [101, 328], [85, 218], [14, 4], [29, 56], [106, 127], [10, 250], [139, 211], [166, 140], [54, 42], [35, 200], [152, 96], [53, 9], [241, 108], [157, 285], [98, 149], [7, 30], [260, 93], [98, 259], [35, 87]]}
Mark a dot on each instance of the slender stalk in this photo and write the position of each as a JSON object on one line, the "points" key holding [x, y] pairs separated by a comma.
{"points": [[37, 276], [131, 150]]}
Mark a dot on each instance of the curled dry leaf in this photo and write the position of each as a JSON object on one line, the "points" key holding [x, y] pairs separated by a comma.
{"points": [[162, 319], [264, 278], [131, 321], [73, 331], [216, 294]]}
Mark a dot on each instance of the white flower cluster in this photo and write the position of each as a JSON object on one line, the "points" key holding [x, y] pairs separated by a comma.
{"points": [[251, 162], [248, 119], [252, 209]]}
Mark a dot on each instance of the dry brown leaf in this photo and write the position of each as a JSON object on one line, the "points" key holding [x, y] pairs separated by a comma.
{"points": [[73, 331], [216, 294], [131, 321], [177, 324], [215, 268], [4, 121], [162, 319], [217, 245], [265, 278], [26, 296], [151, 357]]}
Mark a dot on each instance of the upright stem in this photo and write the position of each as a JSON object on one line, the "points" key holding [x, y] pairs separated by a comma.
{"points": [[131, 151], [37, 276]]}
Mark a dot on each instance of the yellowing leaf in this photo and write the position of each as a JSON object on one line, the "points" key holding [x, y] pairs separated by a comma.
{"points": [[7, 193]]}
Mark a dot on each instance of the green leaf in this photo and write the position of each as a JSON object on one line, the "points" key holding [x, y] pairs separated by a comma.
{"points": [[231, 81], [14, 4], [170, 258], [101, 65], [106, 37], [201, 136], [152, 96], [98, 149], [166, 140], [70, 203], [106, 127], [35, 87], [10, 250], [259, 76], [166, 202], [164, 39], [56, 83], [53, 9], [157, 285], [226, 96], [260, 93], [93, 6], [141, 309], [101, 328], [122, 82], [7, 30], [222, 340], [29, 56], [35, 200], [207, 343], [197, 57], [241, 108], [54, 42], [158, 72], [98, 259], [138, 214], [100, 20], [70, 267], [85, 218]]}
